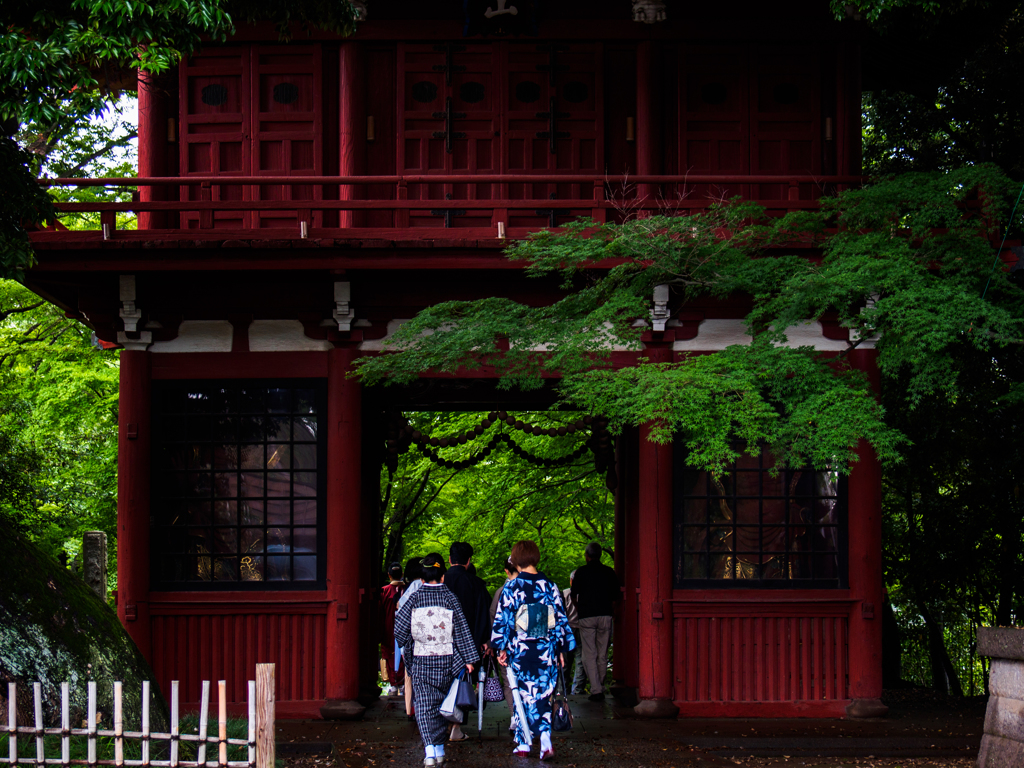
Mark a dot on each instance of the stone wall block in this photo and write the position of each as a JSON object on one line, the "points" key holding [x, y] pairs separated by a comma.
{"points": [[1006, 679], [1005, 718], [997, 752]]}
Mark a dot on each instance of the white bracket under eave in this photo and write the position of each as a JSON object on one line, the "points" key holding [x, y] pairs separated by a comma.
{"points": [[343, 312], [130, 314], [660, 314], [649, 11]]}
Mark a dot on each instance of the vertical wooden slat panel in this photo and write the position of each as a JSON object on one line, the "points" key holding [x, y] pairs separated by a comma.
{"points": [[828, 656], [692, 659], [841, 685], [770, 659], [714, 660], [735, 692], [760, 672], [307, 670], [804, 651]]}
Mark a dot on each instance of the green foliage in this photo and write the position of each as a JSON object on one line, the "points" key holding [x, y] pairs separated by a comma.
{"points": [[58, 424], [492, 505], [22, 204]]}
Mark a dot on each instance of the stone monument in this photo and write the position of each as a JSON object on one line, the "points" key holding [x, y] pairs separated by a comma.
{"points": [[1002, 745]]}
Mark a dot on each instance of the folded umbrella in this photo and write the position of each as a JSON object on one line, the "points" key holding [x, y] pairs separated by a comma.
{"points": [[518, 701], [481, 677]]}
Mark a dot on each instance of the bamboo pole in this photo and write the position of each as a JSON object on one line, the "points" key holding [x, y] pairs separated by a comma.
{"points": [[118, 725], [175, 733], [12, 722], [145, 722], [204, 715], [37, 697], [65, 724], [265, 747], [90, 725], [222, 722], [251, 756]]}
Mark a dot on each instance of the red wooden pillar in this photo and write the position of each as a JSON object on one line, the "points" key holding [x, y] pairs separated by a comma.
{"points": [[352, 124], [152, 145], [647, 122], [865, 569], [133, 468], [344, 427], [655, 561], [627, 533]]}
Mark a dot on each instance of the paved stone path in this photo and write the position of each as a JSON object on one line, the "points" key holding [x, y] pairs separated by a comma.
{"points": [[605, 735]]}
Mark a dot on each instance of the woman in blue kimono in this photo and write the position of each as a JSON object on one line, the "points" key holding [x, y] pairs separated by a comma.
{"points": [[531, 635], [436, 644]]}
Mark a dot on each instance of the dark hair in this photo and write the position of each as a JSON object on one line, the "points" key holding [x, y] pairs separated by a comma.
{"points": [[460, 552], [395, 571], [593, 551], [433, 567], [525, 554], [413, 570], [510, 567], [471, 569]]}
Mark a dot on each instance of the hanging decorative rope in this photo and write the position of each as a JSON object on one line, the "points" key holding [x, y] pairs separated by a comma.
{"points": [[402, 436]]}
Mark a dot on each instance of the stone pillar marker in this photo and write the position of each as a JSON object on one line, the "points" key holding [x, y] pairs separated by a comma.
{"points": [[94, 562], [1002, 745]]}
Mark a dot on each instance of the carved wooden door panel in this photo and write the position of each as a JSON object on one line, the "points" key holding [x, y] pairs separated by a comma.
{"points": [[785, 118], [287, 127], [214, 130], [714, 133], [449, 123], [552, 124]]}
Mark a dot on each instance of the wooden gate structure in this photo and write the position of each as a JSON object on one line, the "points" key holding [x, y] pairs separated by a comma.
{"points": [[297, 201]]}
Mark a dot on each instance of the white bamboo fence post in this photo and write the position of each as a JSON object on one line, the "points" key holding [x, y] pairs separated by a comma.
{"points": [[265, 746], [12, 722], [118, 725], [251, 757], [65, 724], [204, 715], [175, 732], [90, 725], [37, 696], [222, 723], [145, 722]]}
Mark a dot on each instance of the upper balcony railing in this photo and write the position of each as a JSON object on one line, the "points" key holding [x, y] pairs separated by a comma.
{"points": [[405, 208]]}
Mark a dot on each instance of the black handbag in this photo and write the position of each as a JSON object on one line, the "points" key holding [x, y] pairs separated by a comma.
{"points": [[492, 685], [465, 698], [561, 715]]}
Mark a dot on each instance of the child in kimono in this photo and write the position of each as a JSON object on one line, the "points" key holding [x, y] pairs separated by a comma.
{"points": [[531, 635], [436, 644]]}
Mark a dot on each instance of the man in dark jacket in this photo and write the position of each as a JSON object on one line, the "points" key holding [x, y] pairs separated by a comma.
{"points": [[595, 588], [473, 598]]}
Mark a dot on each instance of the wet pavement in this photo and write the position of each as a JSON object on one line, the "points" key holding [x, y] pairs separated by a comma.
{"points": [[914, 734]]}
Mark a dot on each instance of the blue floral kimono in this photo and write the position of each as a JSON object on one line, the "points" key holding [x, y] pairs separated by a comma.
{"points": [[530, 625]]}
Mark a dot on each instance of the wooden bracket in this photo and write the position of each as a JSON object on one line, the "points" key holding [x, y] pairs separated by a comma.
{"points": [[131, 612]]}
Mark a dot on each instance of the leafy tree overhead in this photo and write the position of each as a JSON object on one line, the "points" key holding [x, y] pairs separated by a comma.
{"points": [[904, 261]]}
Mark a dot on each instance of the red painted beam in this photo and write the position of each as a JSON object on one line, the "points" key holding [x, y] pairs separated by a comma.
{"points": [[133, 468]]}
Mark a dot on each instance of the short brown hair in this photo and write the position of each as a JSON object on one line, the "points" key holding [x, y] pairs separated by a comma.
{"points": [[525, 554]]}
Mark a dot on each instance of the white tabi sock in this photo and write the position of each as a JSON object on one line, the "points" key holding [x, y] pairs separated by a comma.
{"points": [[545, 742], [430, 751], [439, 750]]}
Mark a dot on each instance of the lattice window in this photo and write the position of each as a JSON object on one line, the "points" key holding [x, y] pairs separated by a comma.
{"points": [[754, 527], [238, 484]]}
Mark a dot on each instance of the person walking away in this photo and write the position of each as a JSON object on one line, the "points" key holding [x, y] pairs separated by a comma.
{"points": [[389, 596], [473, 600], [579, 677], [595, 590], [436, 644], [510, 573], [531, 635], [413, 581]]}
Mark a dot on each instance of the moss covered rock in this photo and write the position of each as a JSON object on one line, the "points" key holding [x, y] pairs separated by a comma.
{"points": [[53, 629]]}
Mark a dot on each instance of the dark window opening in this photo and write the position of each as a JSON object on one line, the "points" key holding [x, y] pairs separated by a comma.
{"points": [[239, 485], [754, 527]]}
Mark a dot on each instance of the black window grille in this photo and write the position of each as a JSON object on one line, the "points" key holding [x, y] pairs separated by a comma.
{"points": [[757, 527], [238, 485]]}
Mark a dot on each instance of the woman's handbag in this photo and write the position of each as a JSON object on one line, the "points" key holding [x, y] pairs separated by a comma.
{"points": [[492, 685], [450, 709], [561, 715], [466, 697]]}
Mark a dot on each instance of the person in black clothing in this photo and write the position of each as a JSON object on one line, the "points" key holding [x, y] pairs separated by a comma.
{"points": [[595, 588], [473, 598]]}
